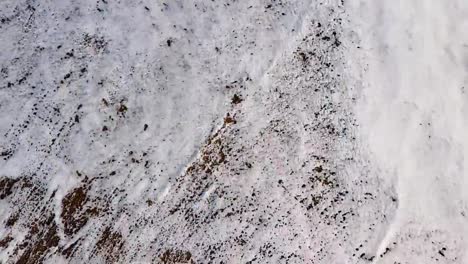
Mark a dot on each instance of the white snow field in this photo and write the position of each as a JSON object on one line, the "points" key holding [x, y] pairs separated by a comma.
{"points": [[413, 116], [261, 131]]}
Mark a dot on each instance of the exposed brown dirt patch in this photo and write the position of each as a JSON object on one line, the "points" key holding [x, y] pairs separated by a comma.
{"points": [[11, 221], [5, 241], [6, 186], [45, 238], [175, 256], [74, 214], [110, 245]]}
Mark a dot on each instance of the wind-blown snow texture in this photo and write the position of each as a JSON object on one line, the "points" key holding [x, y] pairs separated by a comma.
{"points": [[226, 132]]}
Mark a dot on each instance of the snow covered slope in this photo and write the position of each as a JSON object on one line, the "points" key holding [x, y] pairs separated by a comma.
{"points": [[413, 112], [232, 132]]}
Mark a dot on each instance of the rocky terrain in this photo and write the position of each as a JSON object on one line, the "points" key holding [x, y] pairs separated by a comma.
{"points": [[213, 132]]}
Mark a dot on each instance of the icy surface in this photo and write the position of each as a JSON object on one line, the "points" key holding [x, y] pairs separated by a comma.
{"points": [[233, 131]]}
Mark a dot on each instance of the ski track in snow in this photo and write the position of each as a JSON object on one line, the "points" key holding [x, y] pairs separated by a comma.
{"points": [[233, 131]]}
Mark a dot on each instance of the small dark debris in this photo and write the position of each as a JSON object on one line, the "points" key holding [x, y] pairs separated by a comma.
{"points": [[229, 120], [236, 99], [122, 109], [442, 252], [318, 169]]}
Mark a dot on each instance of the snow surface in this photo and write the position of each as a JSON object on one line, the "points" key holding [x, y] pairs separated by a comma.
{"points": [[413, 116], [233, 131]]}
